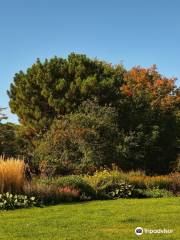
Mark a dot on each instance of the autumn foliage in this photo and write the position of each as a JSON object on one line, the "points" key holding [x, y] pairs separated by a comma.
{"points": [[149, 85], [80, 114]]}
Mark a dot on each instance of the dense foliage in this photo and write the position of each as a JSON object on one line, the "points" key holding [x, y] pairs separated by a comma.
{"points": [[69, 183], [78, 115], [149, 120], [151, 193], [81, 142], [17, 192], [59, 85], [104, 184], [9, 201], [12, 143], [50, 194]]}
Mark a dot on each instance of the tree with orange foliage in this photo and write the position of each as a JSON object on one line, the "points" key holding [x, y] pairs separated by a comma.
{"points": [[148, 121], [148, 84]]}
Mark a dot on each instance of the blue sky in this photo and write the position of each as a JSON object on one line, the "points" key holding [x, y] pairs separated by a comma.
{"points": [[132, 32]]}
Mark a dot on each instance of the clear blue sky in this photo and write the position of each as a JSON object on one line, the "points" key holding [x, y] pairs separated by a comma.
{"points": [[134, 32]]}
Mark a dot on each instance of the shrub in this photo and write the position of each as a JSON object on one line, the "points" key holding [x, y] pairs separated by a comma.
{"points": [[110, 184], [10, 201], [102, 177], [86, 191], [69, 194], [45, 194], [113, 190], [157, 193], [137, 179], [11, 175], [61, 189], [151, 193], [51, 194], [80, 142], [139, 193]]}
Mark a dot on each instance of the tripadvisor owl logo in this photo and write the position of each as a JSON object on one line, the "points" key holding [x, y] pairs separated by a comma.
{"points": [[139, 231]]}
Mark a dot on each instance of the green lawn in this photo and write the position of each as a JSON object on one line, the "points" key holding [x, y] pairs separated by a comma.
{"points": [[115, 219]]}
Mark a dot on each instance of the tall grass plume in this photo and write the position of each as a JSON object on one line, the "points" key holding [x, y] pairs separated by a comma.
{"points": [[12, 177]]}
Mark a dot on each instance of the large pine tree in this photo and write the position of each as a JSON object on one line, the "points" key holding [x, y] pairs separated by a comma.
{"points": [[58, 86]]}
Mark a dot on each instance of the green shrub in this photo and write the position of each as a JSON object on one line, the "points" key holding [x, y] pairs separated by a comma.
{"points": [[112, 190], [139, 193], [80, 142], [110, 184], [102, 177], [151, 193], [105, 184], [157, 193], [86, 191], [10, 201], [137, 179]]}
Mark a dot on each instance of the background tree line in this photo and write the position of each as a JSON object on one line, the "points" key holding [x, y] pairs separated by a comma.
{"points": [[80, 114]]}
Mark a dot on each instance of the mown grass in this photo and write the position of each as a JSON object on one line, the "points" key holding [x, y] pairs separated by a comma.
{"points": [[96, 220]]}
